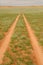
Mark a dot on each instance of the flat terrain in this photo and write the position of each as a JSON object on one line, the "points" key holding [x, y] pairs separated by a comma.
{"points": [[36, 22], [34, 43], [6, 20], [21, 36], [7, 38]]}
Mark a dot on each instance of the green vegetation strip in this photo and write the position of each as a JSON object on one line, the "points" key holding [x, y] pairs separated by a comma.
{"points": [[6, 21], [36, 22], [20, 50]]}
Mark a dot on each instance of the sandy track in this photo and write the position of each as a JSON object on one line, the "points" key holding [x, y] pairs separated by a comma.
{"points": [[7, 39], [37, 51]]}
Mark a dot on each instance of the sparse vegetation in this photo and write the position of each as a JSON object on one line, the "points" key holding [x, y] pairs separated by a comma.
{"points": [[18, 51], [6, 21], [36, 22]]}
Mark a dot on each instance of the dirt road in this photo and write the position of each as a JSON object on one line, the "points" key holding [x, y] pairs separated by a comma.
{"points": [[7, 39], [34, 43]]}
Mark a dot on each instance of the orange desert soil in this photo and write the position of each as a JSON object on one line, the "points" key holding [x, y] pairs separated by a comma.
{"points": [[36, 48], [7, 39]]}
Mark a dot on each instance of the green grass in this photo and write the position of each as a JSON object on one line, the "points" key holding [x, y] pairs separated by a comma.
{"points": [[36, 22], [18, 43], [6, 20]]}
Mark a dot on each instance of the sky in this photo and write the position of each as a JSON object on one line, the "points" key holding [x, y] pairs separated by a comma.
{"points": [[20, 2]]}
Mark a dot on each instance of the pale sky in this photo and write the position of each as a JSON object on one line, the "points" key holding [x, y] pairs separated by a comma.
{"points": [[20, 2]]}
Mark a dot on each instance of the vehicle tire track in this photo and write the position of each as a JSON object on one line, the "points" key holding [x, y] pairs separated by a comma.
{"points": [[7, 39], [36, 48]]}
